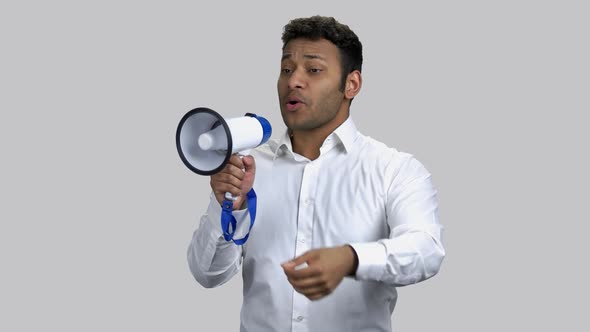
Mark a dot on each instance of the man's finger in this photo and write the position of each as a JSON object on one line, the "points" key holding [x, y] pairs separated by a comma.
{"points": [[297, 274], [314, 292], [236, 161], [314, 282], [317, 296], [222, 188], [249, 164], [233, 170], [228, 179], [305, 258]]}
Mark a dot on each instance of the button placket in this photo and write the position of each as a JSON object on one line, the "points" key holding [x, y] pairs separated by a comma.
{"points": [[304, 235], [306, 208]]}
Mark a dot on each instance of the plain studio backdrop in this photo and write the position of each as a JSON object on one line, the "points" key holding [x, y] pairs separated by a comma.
{"points": [[97, 210]]}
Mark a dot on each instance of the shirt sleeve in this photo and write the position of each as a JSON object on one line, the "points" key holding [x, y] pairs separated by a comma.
{"points": [[212, 260], [414, 250]]}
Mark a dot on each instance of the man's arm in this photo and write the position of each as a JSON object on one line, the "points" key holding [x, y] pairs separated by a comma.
{"points": [[212, 259], [412, 253], [414, 250]]}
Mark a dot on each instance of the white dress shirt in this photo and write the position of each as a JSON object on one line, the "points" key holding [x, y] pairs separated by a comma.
{"points": [[357, 192]]}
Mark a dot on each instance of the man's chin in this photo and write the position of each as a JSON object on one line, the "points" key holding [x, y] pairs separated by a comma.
{"points": [[296, 121], [299, 126]]}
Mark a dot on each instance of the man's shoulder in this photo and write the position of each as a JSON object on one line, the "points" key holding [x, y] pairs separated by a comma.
{"points": [[389, 157], [371, 148]]}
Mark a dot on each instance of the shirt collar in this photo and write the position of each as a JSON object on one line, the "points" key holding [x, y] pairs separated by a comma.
{"points": [[346, 134]]}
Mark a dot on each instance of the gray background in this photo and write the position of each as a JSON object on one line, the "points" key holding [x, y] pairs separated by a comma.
{"points": [[97, 209]]}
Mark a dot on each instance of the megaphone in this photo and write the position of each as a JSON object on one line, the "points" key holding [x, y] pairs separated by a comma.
{"points": [[205, 140]]}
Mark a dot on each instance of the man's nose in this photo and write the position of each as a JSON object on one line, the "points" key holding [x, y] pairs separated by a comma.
{"points": [[297, 79]]}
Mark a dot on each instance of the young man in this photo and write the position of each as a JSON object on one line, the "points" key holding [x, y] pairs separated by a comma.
{"points": [[341, 218]]}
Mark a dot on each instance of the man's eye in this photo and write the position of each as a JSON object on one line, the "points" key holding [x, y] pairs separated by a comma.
{"points": [[315, 70], [286, 71]]}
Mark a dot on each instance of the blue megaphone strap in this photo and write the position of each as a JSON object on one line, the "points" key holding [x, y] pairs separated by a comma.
{"points": [[228, 221]]}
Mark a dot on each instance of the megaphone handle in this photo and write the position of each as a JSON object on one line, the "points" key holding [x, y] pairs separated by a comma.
{"points": [[240, 154]]}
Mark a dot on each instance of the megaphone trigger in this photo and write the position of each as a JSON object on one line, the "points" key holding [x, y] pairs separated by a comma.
{"points": [[230, 197]]}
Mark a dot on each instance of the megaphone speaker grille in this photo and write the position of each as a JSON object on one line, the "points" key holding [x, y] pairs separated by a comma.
{"points": [[192, 125]]}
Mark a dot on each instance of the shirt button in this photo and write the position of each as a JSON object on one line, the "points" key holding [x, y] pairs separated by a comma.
{"points": [[302, 239], [308, 201], [299, 318]]}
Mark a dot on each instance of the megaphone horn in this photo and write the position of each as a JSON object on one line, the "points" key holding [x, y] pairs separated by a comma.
{"points": [[205, 140]]}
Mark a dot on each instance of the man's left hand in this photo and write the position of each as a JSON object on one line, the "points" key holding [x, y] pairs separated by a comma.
{"points": [[325, 270]]}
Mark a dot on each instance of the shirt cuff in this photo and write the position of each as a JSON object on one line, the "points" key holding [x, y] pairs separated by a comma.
{"points": [[372, 260], [214, 217]]}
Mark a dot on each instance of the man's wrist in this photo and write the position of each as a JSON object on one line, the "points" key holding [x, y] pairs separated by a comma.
{"points": [[355, 261]]}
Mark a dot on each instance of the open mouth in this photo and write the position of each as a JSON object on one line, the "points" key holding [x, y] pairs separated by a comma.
{"points": [[293, 104]]}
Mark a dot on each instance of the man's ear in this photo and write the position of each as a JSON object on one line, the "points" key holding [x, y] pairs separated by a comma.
{"points": [[354, 81]]}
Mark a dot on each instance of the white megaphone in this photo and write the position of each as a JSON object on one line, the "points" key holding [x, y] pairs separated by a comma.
{"points": [[205, 140]]}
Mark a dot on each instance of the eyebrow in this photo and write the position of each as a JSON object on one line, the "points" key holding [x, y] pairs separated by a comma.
{"points": [[305, 56]]}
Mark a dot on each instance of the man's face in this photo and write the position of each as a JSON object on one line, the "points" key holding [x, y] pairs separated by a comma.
{"points": [[309, 85]]}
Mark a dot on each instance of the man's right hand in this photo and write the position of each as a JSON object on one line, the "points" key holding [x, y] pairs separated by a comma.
{"points": [[237, 178]]}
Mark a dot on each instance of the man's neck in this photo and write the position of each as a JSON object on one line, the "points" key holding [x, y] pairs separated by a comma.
{"points": [[307, 143]]}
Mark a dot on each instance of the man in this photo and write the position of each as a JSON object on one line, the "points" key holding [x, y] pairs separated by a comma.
{"points": [[341, 218]]}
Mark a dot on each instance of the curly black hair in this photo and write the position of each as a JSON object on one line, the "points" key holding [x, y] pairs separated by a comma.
{"points": [[318, 27]]}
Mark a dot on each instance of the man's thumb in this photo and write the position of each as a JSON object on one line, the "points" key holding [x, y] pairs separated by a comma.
{"points": [[249, 164]]}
